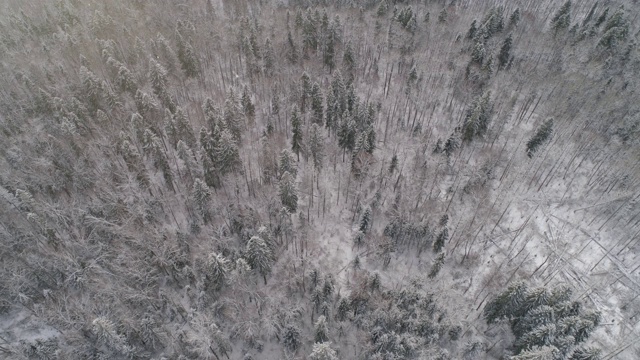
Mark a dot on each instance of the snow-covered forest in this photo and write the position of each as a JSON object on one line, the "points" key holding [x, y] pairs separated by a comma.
{"points": [[319, 179]]}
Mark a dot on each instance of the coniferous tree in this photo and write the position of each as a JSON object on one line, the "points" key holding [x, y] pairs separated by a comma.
{"points": [[394, 164], [291, 337], [216, 271], [443, 15], [247, 106], [477, 118], [365, 220], [275, 103], [323, 351], [505, 52], [514, 19], [540, 137], [232, 116], [287, 163], [288, 192], [309, 34], [343, 309], [305, 91], [105, 332], [349, 62], [92, 87], [478, 53], [186, 155], [506, 303], [347, 134], [187, 57], [183, 128], [615, 30], [316, 104], [158, 78], [589, 353], [134, 162], [329, 53], [201, 195], [602, 18], [316, 146], [269, 58], [358, 238], [538, 353], [436, 266], [441, 239], [144, 103], [126, 80], [292, 50], [259, 256], [562, 18], [211, 176], [153, 146], [321, 330], [296, 128], [227, 155], [451, 145], [473, 29]]}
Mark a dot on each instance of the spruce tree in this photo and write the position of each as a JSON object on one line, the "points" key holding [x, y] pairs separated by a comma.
{"points": [[183, 128], [269, 58], [288, 193], [158, 78], [365, 220], [126, 80], [478, 53], [316, 104], [562, 18], [329, 53], [476, 122], [227, 155], [186, 155], [287, 163], [441, 239], [259, 256], [305, 91], [216, 271], [247, 106], [588, 353], [321, 330], [153, 146], [538, 353], [451, 145], [292, 50], [540, 137], [436, 266], [514, 19], [394, 164], [144, 103], [187, 57], [349, 62], [323, 351], [134, 162], [201, 195], [316, 146], [232, 116], [505, 53], [291, 337], [211, 175], [309, 34], [296, 128], [472, 29]]}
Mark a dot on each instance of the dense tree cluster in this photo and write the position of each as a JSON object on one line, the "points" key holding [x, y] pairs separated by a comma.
{"points": [[544, 321]]}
